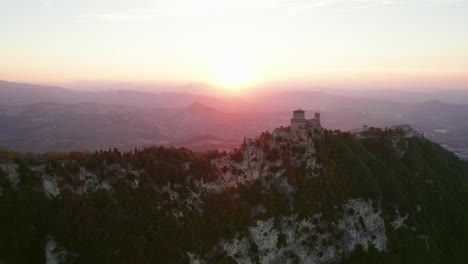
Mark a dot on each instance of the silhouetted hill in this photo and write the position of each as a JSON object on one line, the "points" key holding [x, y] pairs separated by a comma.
{"points": [[444, 95], [13, 94], [307, 196]]}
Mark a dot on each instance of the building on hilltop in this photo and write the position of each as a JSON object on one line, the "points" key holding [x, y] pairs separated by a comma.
{"points": [[301, 128], [299, 122]]}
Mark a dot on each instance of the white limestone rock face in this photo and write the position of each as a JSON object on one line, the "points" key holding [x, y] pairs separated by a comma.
{"points": [[11, 169], [194, 259], [362, 223], [50, 186], [264, 156], [182, 199], [91, 181], [251, 166], [304, 152], [265, 237], [52, 255], [37, 168], [311, 240], [399, 220], [54, 183], [238, 248]]}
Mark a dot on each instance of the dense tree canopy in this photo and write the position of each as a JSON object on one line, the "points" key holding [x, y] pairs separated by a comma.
{"points": [[129, 224]]}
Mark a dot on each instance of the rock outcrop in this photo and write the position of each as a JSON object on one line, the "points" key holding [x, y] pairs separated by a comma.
{"points": [[305, 227]]}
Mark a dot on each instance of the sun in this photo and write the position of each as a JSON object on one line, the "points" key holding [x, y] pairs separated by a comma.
{"points": [[233, 75], [233, 71]]}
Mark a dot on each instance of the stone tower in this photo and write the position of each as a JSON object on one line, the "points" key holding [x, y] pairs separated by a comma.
{"points": [[298, 121], [317, 117]]}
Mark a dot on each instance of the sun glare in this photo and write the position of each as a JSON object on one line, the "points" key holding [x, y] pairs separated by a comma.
{"points": [[233, 76], [233, 71]]}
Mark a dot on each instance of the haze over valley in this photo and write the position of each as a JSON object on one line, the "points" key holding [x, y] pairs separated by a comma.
{"points": [[55, 119]]}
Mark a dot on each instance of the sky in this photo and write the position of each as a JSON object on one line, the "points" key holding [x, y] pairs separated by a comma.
{"points": [[237, 43]]}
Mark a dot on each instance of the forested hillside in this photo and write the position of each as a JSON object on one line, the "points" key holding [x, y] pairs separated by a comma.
{"points": [[382, 198]]}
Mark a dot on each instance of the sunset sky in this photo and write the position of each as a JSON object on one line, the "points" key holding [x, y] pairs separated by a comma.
{"points": [[236, 43]]}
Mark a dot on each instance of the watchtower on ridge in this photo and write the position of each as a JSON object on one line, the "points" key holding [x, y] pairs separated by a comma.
{"points": [[299, 121]]}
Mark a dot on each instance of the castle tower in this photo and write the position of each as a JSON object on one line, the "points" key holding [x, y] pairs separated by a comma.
{"points": [[298, 115], [317, 117], [298, 120]]}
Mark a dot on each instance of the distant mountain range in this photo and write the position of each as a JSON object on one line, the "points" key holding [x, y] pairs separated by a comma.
{"points": [[49, 118]]}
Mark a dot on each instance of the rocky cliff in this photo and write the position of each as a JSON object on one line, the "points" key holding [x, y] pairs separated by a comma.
{"points": [[291, 196]]}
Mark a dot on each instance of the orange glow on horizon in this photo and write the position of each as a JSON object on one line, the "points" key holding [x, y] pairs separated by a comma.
{"points": [[238, 44]]}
